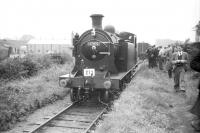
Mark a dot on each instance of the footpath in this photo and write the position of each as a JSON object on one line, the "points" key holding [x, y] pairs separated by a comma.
{"points": [[150, 105]]}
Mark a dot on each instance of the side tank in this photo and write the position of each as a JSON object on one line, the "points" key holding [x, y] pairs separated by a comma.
{"points": [[132, 55], [127, 52]]}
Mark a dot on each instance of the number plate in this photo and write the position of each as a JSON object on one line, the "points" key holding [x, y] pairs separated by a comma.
{"points": [[89, 72]]}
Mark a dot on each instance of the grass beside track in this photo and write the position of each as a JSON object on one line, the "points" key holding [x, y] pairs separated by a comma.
{"points": [[20, 97], [150, 105]]}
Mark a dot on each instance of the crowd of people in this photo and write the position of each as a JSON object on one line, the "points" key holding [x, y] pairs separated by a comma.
{"points": [[175, 61], [171, 59]]}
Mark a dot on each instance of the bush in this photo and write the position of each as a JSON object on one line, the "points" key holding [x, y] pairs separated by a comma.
{"points": [[142, 56], [42, 61], [11, 68], [18, 68], [28, 66], [61, 58]]}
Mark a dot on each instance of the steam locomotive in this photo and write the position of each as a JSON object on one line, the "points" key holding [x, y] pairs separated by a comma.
{"points": [[104, 61]]}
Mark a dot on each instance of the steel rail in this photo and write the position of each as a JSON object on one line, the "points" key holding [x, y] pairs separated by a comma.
{"points": [[46, 122], [93, 122], [133, 68]]}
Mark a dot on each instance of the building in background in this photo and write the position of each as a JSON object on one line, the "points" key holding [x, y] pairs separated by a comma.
{"points": [[166, 42], [18, 47], [142, 48], [48, 46]]}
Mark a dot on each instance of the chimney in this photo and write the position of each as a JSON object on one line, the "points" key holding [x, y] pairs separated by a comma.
{"points": [[97, 21]]}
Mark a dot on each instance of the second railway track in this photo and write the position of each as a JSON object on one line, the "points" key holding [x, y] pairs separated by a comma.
{"points": [[76, 118]]}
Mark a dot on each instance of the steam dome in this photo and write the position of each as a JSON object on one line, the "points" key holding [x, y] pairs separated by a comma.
{"points": [[109, 28]]}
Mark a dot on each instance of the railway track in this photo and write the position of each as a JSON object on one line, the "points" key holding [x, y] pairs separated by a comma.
{"points": [[76, 118]]}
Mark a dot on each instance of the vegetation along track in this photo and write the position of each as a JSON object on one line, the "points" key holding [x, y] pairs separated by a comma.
{"points": [[76, 118]]}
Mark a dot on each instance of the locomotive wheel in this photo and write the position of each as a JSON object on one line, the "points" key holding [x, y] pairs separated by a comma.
{"points": [[123, 86], [106, 96], [79, 96], [73, 95]]}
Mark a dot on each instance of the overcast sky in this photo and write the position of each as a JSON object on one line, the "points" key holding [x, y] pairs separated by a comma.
{"points": [[148, 19]]}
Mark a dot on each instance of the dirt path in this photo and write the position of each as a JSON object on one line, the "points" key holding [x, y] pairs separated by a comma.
{"points": [[39, 115]]}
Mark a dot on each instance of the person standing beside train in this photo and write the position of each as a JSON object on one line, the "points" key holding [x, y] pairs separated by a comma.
{"points": [[160, 58], [150, 56], [155, 58], [179, 61], [168, 66]]}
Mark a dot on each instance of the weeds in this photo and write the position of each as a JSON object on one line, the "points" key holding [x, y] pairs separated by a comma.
{"points": [[149, 105]]}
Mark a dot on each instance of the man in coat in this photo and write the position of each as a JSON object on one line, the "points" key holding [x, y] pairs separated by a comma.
{"points": [[179, 61], [150, 56], [161, 58], [169, 61], [195, 65]]}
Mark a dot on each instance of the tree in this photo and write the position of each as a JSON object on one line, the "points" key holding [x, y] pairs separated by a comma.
{"points": [[197, 28], [26, 38]]}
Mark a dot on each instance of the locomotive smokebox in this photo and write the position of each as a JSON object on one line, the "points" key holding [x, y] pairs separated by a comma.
{"points": [[97, 21]]}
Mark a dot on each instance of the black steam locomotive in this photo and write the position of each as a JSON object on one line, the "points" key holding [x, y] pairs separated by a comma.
{"points": [[104, 61]]}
